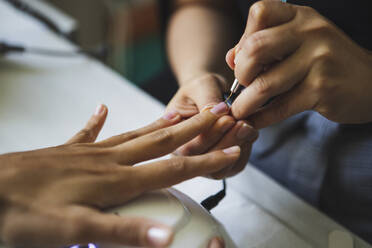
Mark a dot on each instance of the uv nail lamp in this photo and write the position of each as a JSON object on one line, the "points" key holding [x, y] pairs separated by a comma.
{"points": [[193, 225]]}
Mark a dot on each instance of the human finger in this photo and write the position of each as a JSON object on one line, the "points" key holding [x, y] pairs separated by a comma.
{"points": [[91, 130], [264, 48], [205, 141], [209, 92], [297, 100], [170, 118], [83, 225], [243, 135], [166, 140], [277, 80], [265, 14], [240, 134], [166, 173], [203, 91], [96, 227], [237, 167]]}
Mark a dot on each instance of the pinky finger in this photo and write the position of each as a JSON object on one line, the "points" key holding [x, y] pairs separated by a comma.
{"points": [[284, 106]]}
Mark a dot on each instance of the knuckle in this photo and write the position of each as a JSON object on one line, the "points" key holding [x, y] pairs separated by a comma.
{"points": [[256, 45], [198, 119], [262, 86], [179, 165], [135, 229], [259, 12], [184, 150], [163, 137], [129, 135], [87, 133], [323, 56], [317, 28]]}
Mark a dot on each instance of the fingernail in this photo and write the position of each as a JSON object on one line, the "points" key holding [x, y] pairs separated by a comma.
{"points": [[245, 132], [231, 150], [208, 107], [216, 243], [158, 237], [220, 109], [170, 115], [99, 109]]}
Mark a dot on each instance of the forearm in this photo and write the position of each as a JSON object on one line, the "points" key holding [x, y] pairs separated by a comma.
{"points": [[198, 38]]}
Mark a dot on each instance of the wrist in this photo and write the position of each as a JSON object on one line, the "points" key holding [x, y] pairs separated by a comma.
{"points": [[206, 76]]}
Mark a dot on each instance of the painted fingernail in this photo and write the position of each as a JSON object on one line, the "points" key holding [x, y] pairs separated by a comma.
{"points": [[170, 115], [231, 150], [207, 107], [245, 132], [99, 109], [159, 237], [220, 109]]}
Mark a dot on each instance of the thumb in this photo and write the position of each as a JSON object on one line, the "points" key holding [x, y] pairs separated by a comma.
{"points": [[209, 93], [109, 228]]}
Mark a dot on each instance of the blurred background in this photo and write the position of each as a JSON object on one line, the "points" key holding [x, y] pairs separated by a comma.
{"points": [[132, 30]]}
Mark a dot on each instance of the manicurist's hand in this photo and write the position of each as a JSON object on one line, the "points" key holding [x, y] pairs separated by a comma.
{"points": [[53, 197], [199, 94], [302, 61]]}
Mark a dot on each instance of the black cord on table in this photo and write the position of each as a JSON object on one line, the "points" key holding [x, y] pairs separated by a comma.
{"points": [[213, 200]]}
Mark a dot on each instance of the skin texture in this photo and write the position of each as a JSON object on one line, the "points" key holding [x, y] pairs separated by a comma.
{"points": [[199, 34], [55, 196], [302, 60]]}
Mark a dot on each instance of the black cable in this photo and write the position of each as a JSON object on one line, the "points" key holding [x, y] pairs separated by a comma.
{"points": [[213, 200], [100, 53], [6, 48], [22, 6]]}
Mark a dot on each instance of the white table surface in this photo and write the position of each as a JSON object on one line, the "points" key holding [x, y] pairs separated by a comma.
{"points": [[44, 101]]}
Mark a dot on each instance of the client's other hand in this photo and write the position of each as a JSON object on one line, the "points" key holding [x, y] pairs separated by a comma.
{"points": [[191, 99], [53, 197]]}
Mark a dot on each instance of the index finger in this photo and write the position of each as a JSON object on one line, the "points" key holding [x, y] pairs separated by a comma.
{"points": [[265, 14], [166, 140]]}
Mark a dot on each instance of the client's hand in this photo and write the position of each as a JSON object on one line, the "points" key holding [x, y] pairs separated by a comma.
{"points": [[53, 197], [192, 98]]}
